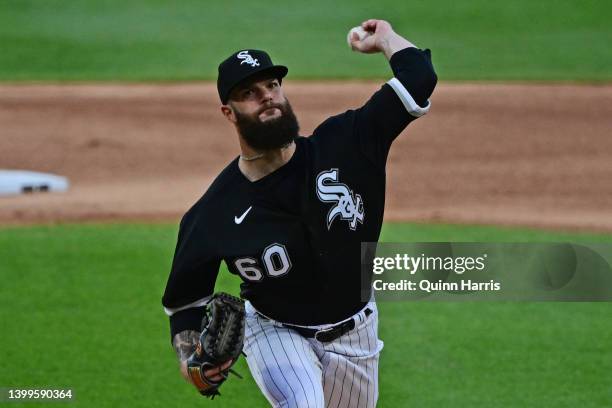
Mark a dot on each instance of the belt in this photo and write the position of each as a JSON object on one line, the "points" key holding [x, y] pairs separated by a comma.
{"points": [[329, 334]]}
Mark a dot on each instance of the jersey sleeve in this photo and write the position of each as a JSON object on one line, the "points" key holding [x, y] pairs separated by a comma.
{"points": [[192, 278], [401, 100]]}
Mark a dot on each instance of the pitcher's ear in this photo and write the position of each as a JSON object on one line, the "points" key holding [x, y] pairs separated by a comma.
{"points": [[228, 112]]}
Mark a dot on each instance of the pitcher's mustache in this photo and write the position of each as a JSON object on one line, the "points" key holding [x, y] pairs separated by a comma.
{"points": [[272, 105]]}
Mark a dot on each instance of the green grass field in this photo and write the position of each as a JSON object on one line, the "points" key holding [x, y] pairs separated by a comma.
{"points": [[81, 309], [158, 40]]}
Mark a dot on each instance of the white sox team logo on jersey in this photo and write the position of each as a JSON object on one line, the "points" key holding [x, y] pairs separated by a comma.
{"points": [[247, 59], [348, 206]]}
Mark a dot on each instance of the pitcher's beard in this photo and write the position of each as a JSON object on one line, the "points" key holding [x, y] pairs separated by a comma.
{"points": [[271, 134]]}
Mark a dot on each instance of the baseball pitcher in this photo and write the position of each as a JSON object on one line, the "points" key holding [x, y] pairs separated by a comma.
{"points": [[288, 216]]}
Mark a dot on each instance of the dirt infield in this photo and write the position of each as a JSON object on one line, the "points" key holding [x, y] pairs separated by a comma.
{"points": [[537, 155]]}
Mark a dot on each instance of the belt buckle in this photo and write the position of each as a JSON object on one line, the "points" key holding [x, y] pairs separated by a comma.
{"points": [[323, 333]]}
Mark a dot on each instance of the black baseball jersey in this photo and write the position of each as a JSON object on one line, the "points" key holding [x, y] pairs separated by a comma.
{"points": [[294, 236]]}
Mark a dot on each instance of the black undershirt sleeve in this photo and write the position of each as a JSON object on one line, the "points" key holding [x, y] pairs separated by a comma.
{"points": [[377, 123], [415, 71], [188, 319], [192, 278]]}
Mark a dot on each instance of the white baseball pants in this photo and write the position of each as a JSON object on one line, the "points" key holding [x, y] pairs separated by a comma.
{"points": [[293, 371]]}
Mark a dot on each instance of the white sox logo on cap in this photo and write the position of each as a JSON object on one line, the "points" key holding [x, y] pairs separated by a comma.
{"points": [[247, 59], [241, 65], [348, 205]]}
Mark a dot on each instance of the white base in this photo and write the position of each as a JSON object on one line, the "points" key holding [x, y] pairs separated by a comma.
{"points": [[20, 182]]}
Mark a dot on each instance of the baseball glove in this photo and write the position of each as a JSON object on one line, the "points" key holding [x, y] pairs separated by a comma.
{"points": [[221, 340]]}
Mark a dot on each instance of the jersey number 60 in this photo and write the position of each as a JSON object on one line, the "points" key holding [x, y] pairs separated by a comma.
{"points": [[275, 261]]}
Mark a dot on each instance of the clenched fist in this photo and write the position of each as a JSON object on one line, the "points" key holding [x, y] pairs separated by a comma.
{"points": [[380, 38]]}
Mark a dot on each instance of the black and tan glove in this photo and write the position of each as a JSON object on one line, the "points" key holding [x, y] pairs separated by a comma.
{"points": [[221, 340]]}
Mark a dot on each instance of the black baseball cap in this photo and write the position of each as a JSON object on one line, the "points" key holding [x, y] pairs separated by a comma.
{"points": [[242, 65]]}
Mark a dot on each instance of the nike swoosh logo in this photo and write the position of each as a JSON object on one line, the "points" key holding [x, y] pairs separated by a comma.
{"points": [[239, 220]]}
